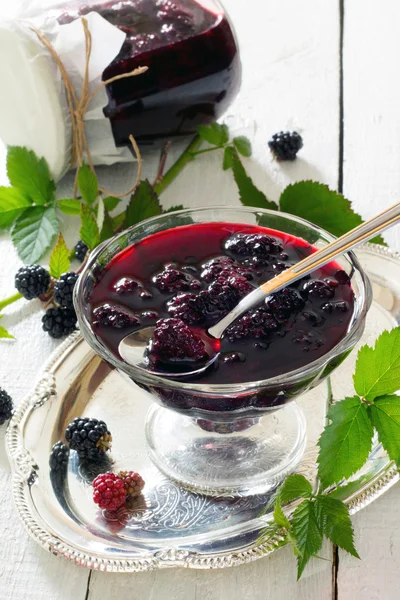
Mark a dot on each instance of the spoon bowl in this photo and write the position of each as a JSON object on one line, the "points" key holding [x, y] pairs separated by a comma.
{"points": [[132, 349]]}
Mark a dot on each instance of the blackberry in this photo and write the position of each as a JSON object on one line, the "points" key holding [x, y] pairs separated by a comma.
{"points": [[257, 323], [89, 437], [63, 289], [172, 280], [285, 303], [252, 244], [186, 308], [59, 322], [318, 288], [108, 315], [6, 406], [285, 145], [133, 483], [307, 340], [59, 457], [109, 491], [80, 250], [330, 307], [342, 278], [126, 285], [32, 281], [172, 341]]}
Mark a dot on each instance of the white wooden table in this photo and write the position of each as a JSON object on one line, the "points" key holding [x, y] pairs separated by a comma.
{"points": [[332, 73]]}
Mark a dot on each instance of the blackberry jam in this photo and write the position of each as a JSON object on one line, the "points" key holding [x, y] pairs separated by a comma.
{"points": [[195, 274], [194, 67]]}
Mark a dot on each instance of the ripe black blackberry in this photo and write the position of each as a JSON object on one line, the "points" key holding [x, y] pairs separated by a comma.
{"points": [[285, 145], [59, 322], [58, 460], [6, 406], [80, 250], [32, 281], [64, 288], [89, 437]]}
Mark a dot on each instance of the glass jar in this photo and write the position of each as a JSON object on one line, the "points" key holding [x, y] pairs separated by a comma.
{"points": [[190, 50]]}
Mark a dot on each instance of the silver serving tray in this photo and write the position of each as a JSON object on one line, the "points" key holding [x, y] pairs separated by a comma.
{"points": [[171, 526]]}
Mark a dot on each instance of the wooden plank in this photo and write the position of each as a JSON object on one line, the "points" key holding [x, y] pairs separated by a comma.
{"points": [[371, 181], [371, 174], [290, 80]]}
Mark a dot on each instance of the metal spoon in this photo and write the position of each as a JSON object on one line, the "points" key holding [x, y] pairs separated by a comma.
{"points": [[132, 347]]}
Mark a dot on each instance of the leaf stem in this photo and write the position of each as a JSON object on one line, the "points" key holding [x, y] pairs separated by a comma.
{"points": [[173, 172], [194, 154], [10, 300]]}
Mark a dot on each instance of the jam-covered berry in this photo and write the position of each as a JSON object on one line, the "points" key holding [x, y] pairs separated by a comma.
{"points": [[290, 329]]}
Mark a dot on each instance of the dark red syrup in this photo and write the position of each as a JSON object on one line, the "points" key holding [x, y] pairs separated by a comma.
{"points": [[197, 273], [194, 67]]}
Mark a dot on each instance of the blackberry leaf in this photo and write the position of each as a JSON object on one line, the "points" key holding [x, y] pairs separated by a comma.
{"points": [[111, 202], [228, 154], [34, 231], [30, 174], [12, 203], [334, 520], [59, 259], [214, 134], [143, 204], [378, 369], [89, 230], [242, 145], [69, 206], [385, 416], [249, 194], [345, 443], [294, 486], [87, 184], [306, 532], [279, 517], [320, 205]]}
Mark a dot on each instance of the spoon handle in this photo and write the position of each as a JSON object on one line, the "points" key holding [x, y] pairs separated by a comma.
{"points": [[346, 242]]}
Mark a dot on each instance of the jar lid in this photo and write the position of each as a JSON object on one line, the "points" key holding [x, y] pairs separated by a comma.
{"points": [[31, 109]]}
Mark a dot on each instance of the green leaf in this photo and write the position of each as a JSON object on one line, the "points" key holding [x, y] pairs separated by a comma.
{"points": [[214, 134], [385, 416], [378, 369], [295, 486], [335, 523], [88, 185], [69, 206], [59, 259], [249, 194], [306, 532], [279, 517], [228, 157], [315, 202], [173, 208], [111, 202], [242, 145], [30, 174], [34, 231], [143, 204], [4, 334], [346, 442], [89, 231], [12, 203], [107, 230]]}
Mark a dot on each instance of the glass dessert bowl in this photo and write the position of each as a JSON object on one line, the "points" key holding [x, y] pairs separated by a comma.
{"points": [[234, 429]]}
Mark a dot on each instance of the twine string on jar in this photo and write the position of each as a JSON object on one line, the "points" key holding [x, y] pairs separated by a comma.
{"points": [[78, 108]]}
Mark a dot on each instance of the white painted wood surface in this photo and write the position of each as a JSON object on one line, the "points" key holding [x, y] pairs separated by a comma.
{"points": [[290, 53]]}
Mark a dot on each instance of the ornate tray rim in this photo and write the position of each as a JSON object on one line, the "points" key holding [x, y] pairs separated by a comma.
{"points": [[24, 472]]}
